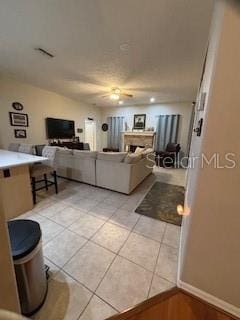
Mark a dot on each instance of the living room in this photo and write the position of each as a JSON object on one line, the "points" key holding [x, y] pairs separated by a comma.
{"points": [[40, 104], [99, 122], [115, 211]]}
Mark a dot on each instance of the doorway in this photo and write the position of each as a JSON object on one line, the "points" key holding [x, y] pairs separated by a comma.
{"points": [[90, 134]]}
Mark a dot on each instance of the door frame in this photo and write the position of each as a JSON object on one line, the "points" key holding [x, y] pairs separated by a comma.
{"points": [[94, 133]]}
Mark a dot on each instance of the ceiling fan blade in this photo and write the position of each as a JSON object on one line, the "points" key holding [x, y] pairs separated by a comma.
{"points": [[127, 95], [105, 96]]}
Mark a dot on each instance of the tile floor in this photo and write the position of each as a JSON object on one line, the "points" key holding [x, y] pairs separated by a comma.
{"points": [[104, 257]]}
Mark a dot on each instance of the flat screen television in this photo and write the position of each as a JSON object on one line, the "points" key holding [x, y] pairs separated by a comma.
{"points": [[59, 128]]}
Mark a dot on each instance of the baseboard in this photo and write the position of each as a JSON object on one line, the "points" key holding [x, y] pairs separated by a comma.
{"points": [[227, 307]]}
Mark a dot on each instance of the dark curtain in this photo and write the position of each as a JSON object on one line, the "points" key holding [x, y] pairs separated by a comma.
{"points": [[166, 131], [115, 128]]}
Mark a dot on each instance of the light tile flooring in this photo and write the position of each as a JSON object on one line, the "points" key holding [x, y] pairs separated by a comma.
{"points": [[103, 256]]}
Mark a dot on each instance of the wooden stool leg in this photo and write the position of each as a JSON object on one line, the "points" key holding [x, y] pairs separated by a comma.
{"points": [[45, 180], [55, 181], [34, 190]]}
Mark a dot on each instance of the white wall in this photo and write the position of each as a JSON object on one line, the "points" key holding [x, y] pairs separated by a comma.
{"points": [[210, 261], [152, 111], [196, 141], [39, 104]]}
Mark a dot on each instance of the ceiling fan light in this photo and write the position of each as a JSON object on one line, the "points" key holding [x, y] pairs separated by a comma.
{"points": [[114, 96], [117, 91]]}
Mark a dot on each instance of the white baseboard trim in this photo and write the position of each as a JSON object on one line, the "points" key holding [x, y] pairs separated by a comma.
{"points": [[209, 298]]}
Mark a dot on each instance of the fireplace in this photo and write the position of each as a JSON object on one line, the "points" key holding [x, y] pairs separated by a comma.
{"points": [[132, 140], [132, 148]]}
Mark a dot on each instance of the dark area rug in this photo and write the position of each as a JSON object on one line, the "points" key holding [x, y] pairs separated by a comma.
{"points": [[161, 203]]}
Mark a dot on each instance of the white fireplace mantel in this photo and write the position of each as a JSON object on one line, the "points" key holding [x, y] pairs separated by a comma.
{"points": [[139, 133]]}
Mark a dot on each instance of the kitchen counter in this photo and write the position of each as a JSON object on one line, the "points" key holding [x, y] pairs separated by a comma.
{"points": [[10, 159], [15, 182]]}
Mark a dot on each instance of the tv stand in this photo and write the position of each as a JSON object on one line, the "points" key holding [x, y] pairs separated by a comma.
{"points": [[68, 144]]}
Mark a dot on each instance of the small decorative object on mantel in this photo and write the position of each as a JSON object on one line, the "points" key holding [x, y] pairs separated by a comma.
{"points": [[150, 129], [79, 130], [139, 121], [18, 119], [17, 106], [104, 127], [20, 133]]}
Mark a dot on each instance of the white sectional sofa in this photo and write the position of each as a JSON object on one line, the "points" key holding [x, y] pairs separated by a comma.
{"points": [[77, 165], [115, 171]]}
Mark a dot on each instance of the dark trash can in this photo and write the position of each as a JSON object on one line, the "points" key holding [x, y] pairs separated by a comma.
{"points": [[25, 238]]}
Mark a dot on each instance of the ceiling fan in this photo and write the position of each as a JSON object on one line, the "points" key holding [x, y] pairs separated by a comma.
{"points": [[116, 94]]}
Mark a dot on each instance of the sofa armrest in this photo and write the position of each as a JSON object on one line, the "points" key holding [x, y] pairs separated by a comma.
{"points": [[113, 175], [139, 171]]}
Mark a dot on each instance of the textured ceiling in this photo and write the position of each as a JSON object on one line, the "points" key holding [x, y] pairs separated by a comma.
{"points": [[165, 39]]}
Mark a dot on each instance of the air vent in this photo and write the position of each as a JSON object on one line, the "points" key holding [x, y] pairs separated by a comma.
{"points": [[44, 52]]}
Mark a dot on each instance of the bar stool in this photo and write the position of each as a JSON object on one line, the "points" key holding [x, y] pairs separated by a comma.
{"points": [[39, 149], [14, 147], [43, 170], [26, 148]]}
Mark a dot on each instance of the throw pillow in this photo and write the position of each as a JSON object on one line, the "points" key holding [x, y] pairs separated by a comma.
{"points": [[146, 152], [139, 150], [132, 158]]}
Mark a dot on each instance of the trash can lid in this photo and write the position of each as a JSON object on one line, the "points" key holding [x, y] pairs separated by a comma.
{"points": [[24, 237]]}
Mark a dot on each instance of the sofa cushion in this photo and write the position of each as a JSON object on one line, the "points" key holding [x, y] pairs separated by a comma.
{"points": [[133, 158], [64, 151], [112, 156], [85, 154]]}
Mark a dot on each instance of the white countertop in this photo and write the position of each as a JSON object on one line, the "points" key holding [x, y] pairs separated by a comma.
{"points": [[10, 159]]}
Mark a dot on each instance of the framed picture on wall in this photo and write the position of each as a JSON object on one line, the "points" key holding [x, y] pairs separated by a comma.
{"points": [[20, 133], [17, 106], [18, 119], [139, 121]]}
